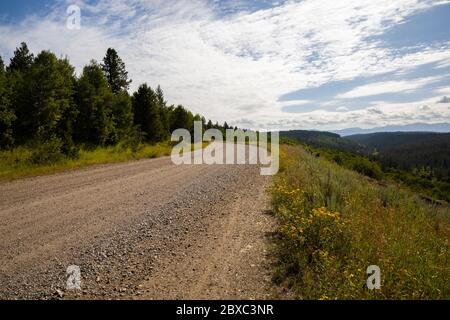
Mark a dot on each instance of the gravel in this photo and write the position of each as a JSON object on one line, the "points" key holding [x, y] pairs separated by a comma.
{"points": [[140, 230]]}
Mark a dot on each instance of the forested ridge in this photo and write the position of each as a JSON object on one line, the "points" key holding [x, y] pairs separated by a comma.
{"points": [[410, 150], [46, 107]]}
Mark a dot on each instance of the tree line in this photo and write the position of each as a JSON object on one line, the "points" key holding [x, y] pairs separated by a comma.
{"points": [[43, 102]]}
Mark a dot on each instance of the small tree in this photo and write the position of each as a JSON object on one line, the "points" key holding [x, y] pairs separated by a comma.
{"points": [[147, 113]]}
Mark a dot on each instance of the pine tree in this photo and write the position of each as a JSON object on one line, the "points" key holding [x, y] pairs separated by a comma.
{"points": [[198, 118], [114, 69], [180, 119], [160, 96], [52, 110], [42, 96], [95, 100], [123, 114], [7, 115], [147, 113], [18, 78], [22, 59], [164, 112], [203, 119]]}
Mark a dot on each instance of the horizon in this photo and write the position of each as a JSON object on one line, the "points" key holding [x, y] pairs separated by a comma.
{"points": [[267, 65]]}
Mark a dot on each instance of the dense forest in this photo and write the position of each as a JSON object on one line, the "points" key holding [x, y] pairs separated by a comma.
{"points": [[45, 106], [410, 150], [419, 159]]}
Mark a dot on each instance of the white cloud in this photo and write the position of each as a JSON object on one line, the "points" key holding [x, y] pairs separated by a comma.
{"points": [[386, 114], [236, 67], [297, 103], [444, 64], [444, 91]]}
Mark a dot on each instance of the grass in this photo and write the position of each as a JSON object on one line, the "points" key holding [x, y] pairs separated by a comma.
{"points": [[17, 163], [334, 223]]}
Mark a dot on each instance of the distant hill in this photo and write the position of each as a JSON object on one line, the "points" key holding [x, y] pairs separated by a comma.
{"points": [[417, 127], [383, 141], [322, 139]]}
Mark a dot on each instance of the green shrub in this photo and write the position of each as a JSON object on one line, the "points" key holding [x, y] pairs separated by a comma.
{"points": [[132, 140], [367, 168], [47, 152]]}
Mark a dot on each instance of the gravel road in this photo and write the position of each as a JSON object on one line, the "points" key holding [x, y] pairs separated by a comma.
{"points": [[140, 230]]}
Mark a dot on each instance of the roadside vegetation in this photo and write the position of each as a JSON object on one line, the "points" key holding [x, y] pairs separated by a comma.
{"points": [[335, 222], [24, 162], [21, 162], [352, 161]]}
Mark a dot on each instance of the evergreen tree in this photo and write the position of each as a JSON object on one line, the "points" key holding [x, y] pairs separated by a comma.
{"points": [[203, 123], [22, 59], [47, 109], [181, 119], [18, 73], [52, 89], [160, 96], [147, 113], [123, 114], [95, 100], [164, 113], [7, 115], [199, 118], [115, 71]]}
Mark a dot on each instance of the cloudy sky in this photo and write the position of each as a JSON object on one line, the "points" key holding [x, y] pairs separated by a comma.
{"points": [[310, 64]]}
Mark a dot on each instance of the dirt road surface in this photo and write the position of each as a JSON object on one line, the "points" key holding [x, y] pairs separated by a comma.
{"points": [[140, 230]]}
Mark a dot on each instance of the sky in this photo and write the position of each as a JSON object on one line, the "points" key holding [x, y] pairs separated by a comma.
{"points": [[268, 65]]}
